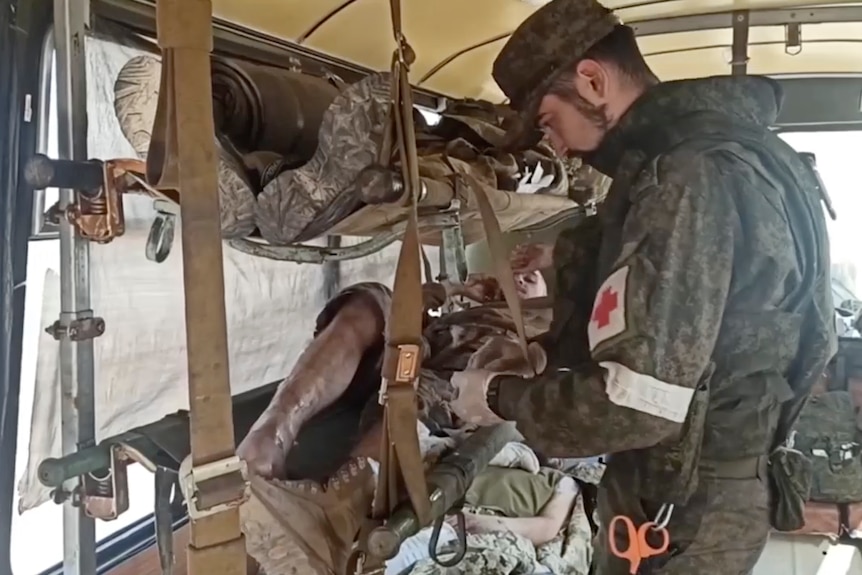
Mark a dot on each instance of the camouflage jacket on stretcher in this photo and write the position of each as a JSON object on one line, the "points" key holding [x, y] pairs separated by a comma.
{"points": [[680, 306]]}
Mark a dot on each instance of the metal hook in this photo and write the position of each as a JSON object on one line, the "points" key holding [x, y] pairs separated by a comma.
{"points": [[461, 543], [662, 518], [161, 237]]}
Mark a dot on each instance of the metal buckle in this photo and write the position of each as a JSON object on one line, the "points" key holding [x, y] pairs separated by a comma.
{"points": [[408, 362], [215, 487]]}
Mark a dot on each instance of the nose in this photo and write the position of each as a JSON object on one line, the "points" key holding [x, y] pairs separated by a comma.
{"points": [[557, 144]]}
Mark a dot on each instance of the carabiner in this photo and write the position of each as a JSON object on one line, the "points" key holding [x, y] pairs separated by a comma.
{"points": [[461, 542], [662, 518]]}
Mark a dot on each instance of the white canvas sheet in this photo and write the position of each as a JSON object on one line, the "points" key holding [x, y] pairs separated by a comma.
{"points": [[140, 360]]}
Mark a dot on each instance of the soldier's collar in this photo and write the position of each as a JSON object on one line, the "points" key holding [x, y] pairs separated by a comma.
{"points": [[623, 137]]}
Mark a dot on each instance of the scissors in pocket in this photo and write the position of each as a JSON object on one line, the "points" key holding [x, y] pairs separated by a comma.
{"points": [[639, 547]]}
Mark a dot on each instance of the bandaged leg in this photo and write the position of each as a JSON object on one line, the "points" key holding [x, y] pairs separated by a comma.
{"points": [[349, 326]]}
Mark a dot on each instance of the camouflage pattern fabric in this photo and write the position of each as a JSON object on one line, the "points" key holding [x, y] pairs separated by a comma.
{"points": [[300, 196], [713, 309], [539, 51], [136, 94], [306, 202], [569, 553], [827, 434], [449, 344]]}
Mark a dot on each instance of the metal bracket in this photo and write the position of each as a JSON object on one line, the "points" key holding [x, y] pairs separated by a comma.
{"points": [[78, 329], [793, 39], [739, 59], [215, 487], [106, 496]]}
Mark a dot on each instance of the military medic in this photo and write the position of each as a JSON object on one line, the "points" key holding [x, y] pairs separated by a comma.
{"points": [[708, 316]]}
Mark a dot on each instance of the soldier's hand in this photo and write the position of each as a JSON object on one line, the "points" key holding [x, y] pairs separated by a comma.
{"points": [[527, 258], [433, 295], [481, 288], [470, 403]]}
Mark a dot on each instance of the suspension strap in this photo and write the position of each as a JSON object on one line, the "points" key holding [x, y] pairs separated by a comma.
{"points": [[400, 458], [182, 157]]}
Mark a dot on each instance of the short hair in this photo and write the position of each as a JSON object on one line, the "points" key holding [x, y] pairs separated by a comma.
{"points": [[619, 49]]}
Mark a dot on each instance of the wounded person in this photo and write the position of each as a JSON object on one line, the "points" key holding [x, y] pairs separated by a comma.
{"points": [[521, 517]]}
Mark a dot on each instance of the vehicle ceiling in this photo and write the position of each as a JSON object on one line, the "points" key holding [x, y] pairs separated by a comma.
{"points": [[457, 40]]}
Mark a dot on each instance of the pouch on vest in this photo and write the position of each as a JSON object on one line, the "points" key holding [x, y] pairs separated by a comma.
{"points": [[670, 472], [790, 483], [826, 433]]}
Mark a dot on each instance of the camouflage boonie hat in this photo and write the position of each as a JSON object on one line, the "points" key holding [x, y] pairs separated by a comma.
{"points": [[553, 38]]}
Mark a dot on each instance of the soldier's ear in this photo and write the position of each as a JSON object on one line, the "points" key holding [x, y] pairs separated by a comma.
{"points": [[592, 81]]}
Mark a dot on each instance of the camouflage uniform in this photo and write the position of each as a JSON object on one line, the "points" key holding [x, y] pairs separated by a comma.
{"points": [[711, 308], [449, 343], [569, 553]]}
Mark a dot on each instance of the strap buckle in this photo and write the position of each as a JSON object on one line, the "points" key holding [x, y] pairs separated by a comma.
{"points": [[215, 487], [408, 362]]}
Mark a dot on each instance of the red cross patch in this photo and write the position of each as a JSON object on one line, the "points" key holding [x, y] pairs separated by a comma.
{"points": [[608, 318]]}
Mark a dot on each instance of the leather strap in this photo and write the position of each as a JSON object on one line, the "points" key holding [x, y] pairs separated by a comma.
{"points": [[400, 457], [497, 250], [502, 265], [182, 157]]}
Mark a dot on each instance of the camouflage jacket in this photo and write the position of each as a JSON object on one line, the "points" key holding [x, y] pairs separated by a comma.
{"points": [[711, 257]]}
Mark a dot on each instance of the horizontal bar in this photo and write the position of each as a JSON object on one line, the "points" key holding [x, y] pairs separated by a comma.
{"points": [[757, 18]]}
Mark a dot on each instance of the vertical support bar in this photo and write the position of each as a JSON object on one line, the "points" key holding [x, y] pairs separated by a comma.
{"points": [[739, 58], [71, 18]]}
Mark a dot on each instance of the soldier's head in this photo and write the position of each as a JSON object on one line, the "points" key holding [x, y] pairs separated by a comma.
{"points": [[571, 70], [530, 285]]}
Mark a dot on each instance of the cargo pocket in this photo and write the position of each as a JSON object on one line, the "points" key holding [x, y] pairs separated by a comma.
{"points": [[790, 474]]}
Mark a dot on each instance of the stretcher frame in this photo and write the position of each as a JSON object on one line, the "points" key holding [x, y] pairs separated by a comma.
{"points": [[71, 20]]}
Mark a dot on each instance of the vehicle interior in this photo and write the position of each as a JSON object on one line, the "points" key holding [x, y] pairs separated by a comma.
{"points": [[60, 61]]}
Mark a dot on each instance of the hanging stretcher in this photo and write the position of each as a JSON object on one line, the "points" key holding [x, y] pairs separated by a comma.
{"points": [[299, 160], [366, 172]]}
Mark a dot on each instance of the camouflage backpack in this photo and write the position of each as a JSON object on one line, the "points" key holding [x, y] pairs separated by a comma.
{"points": [[826, 433]]}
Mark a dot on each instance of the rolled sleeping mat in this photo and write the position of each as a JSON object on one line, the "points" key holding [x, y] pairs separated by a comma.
{"points": [[266, 108]]}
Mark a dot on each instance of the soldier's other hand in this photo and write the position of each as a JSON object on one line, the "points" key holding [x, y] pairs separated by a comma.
{"points": [[470, 404], [480, 288], [516, 455], [433, 295], [527, 258]]}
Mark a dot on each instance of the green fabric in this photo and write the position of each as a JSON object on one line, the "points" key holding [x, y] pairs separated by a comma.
{"points": [[826, 434], [513, 492]]}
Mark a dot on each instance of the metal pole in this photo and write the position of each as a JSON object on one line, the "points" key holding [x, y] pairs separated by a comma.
{"points": [[71, 18]]}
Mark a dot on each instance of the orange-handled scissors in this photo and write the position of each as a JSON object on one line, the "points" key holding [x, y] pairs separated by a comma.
{"points": [[639, 547]]}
